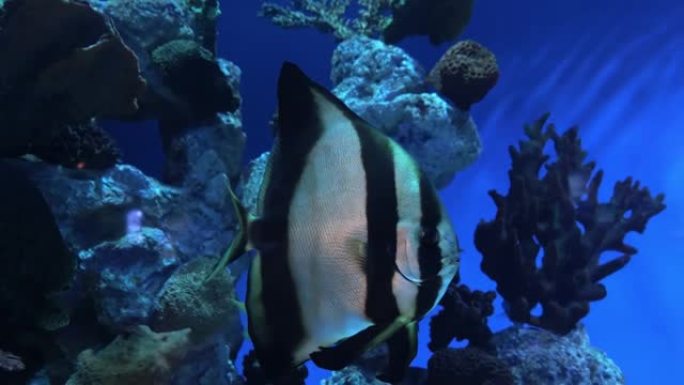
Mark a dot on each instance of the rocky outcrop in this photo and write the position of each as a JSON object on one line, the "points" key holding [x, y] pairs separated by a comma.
{"points": [[385, 86]]}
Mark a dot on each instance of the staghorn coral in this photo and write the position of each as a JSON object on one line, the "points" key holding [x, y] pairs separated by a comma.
{"points": [[440, 20], [465, 73], [470, 366], [558, 214], [141, 357], [330, 16], [463, 316]]}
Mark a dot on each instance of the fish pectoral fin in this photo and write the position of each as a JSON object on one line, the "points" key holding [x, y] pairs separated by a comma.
{"points": [[238, 246], [346, 351], [403, 347]]}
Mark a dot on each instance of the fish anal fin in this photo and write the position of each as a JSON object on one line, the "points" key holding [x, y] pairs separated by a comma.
{"points": [[346, 351], [403, 347], [349, 349]]}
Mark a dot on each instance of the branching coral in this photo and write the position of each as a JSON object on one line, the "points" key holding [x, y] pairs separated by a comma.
{"points": [[331, 16], [463, 316], [558, 213]]}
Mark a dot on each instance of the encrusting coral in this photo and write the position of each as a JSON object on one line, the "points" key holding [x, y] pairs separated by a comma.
{"points": [[465, 73], [141, 357], [558, 213], [330, 16]]}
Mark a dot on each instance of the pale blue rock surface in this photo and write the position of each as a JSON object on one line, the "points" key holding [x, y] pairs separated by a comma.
{"points": [[385, 86], [537, 356], [125, 276]]}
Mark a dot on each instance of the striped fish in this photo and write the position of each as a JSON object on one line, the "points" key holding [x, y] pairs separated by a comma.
{"points": [[353, 245]]}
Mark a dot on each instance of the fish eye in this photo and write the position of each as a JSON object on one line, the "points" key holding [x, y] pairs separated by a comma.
{"points": [[429, 236]]}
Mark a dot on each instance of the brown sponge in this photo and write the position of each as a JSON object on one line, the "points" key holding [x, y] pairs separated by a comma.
{"points": [[465, 73]]}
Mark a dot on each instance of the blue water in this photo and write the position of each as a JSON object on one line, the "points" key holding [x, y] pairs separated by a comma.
{"points": [[614, 67]]}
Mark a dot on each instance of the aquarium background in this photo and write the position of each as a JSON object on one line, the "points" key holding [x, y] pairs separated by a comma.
{"points": [[613, 67]]}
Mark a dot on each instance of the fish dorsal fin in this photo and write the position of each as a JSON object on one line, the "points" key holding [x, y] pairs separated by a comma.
{"points": [[303, 104], [297, 112]]}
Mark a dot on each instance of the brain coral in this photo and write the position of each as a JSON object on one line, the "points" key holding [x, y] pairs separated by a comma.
{"points": [[465, 73]]}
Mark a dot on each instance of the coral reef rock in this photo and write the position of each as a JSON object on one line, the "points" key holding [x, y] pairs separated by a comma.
{"points": [[364, 371], [175, 43], [147, 24], [201, 84], [465, 73], [132, 233], [537, 356], [91, 207], [470, 366], [385, 86], [210, 307], [140, 357], [63, 63], [125, 276], [197, 155], [208, 364]]}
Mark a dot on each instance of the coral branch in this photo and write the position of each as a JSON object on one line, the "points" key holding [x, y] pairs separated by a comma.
{"points": [[330, 16], [463, 316], [557, 212]]}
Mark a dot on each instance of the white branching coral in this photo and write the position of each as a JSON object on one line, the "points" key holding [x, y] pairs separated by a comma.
{"points": [[334, 16]]}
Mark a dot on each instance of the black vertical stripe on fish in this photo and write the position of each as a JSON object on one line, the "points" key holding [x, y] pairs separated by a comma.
{"points": [[298, 130], [429, 253], [382, 218]]}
